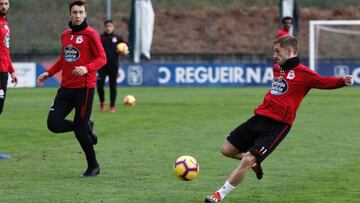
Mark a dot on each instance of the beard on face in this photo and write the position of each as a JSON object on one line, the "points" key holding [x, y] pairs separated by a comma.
{"points": [[3, 12]]}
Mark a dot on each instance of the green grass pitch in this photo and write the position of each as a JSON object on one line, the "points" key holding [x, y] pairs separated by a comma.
{"points": [[317, 162]]}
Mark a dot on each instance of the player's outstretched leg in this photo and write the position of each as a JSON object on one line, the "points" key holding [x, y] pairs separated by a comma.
{"points": [[219, 195], [213, 198], [92, 133], [236, 177]]}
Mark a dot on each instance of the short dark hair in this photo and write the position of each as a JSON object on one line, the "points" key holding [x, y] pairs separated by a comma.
{"points": [[77, 3], [287, 41], [108, 21], [286, 18]]}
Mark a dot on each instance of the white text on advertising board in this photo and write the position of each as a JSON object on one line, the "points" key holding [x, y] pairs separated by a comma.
{"points": [[217, 74]]}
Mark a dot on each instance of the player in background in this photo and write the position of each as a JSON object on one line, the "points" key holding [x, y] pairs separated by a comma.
{"points": [[252, 141], [81, 56], [287, 23], [109, 41], [6, 67]]}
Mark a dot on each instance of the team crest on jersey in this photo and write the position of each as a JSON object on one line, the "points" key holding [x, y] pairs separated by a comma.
{"points": [[79, 40], [114, 40], [279, 86], [291, 75], [71, 54]]}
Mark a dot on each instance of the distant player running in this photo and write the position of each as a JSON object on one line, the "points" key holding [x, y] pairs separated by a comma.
{"points": [[5, 60], [81, 56], [254, 140]]}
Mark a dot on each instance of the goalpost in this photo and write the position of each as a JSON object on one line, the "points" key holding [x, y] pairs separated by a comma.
{"points": [[333, 40]]}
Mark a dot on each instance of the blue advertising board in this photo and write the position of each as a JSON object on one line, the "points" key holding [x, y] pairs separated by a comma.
{"points": [[196, 74], [207, 74]]}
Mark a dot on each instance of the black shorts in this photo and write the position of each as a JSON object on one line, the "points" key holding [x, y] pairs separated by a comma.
{"points": [[259, 135], [3, 88]]}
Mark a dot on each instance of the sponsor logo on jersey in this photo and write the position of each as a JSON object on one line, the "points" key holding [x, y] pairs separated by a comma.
{"points": [[279, 86], [114, 40], [7, 40], [291, 75], [79, 40], [71, 54]]}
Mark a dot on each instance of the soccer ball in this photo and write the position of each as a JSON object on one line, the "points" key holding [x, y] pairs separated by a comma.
{"points": [[186, 168], [122, 48], [129, 100]]}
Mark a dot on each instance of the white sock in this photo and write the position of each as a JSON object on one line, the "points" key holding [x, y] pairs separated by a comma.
{"points": [[224, 190]]}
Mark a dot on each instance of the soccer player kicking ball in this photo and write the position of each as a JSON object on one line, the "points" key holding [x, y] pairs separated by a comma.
{"points": [[254, 140], [81, 56]]}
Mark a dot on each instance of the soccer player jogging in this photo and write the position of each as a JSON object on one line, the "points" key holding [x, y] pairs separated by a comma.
{"points": [[109, 40], [81, 56], [6, 67], [252, 141]]}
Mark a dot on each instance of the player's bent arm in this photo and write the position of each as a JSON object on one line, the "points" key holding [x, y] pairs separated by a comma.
{"points": [[314, 80], [100, 55], [42, 77], [55, 68], [80, 70], [11, 68], [99, 62]]}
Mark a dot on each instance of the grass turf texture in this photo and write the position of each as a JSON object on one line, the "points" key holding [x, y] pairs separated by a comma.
{"points": [[317, 162]]}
